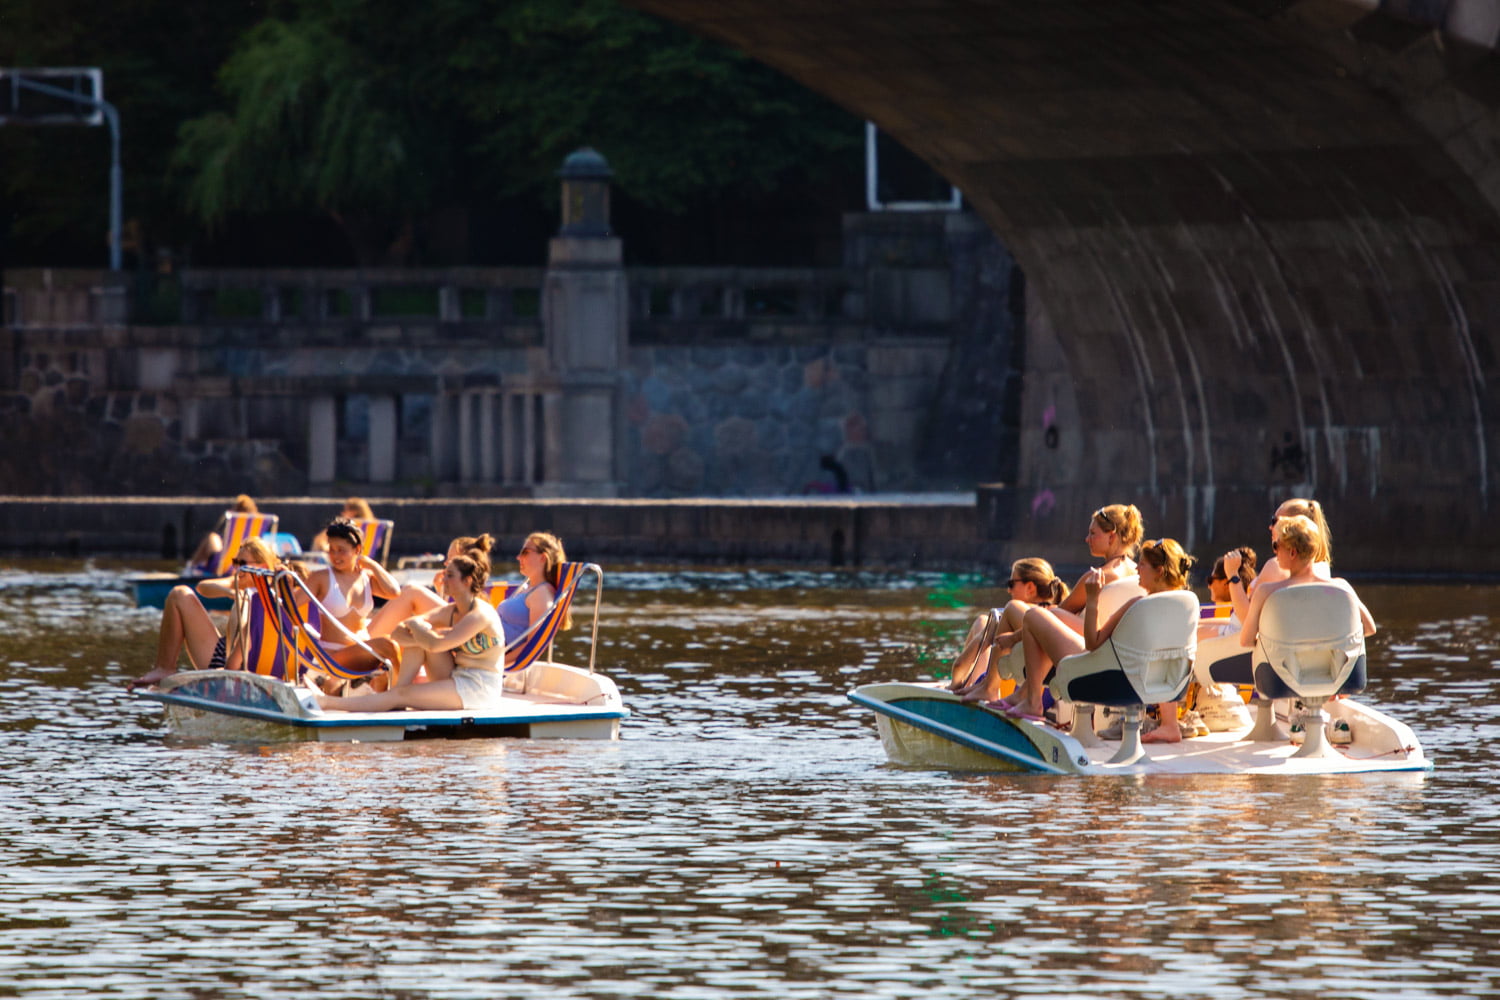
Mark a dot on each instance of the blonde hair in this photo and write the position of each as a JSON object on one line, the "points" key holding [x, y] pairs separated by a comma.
{"points": [[1050, 590], [1302, 535], [261, 550], [1171, 563], [1124, 520], [551, 548], [1313, 511], [361, 508]]}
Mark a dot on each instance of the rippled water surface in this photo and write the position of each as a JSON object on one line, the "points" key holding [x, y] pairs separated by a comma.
{"points": [[744, 838]]}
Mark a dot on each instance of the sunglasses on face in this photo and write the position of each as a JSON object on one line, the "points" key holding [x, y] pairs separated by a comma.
{"points": [[529, 551]]}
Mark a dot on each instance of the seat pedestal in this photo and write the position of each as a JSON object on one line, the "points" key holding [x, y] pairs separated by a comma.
{"points": [[1130, 737], [1083, 725], [1315, 732], [1266, 729]]}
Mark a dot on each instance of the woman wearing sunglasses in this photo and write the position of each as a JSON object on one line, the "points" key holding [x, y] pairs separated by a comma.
{"points": [[186, 624], [462, 645]]}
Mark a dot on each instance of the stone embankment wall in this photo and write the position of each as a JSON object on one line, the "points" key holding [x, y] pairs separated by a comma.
{"points": [[937, 534]]}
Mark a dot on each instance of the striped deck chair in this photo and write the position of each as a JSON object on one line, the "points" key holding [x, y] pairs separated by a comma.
{"points": [[298, 629], [236, 528], [265, 651], [377, 535], [1212, 612], [500, 591], [536, 640]]}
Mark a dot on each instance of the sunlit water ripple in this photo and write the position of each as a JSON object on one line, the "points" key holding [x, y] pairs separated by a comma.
{"points": [[745, 838]]}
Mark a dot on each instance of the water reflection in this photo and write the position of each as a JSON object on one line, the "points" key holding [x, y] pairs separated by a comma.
{"points": [[745, 838]]}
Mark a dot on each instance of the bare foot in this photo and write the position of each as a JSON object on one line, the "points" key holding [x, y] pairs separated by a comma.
{"points": [[1163, 734], [150, 678], [980, 692]]}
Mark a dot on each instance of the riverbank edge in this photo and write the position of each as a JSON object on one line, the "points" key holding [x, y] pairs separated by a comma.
{"points": [[917, 531]]}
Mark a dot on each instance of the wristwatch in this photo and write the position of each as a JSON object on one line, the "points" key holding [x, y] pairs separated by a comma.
{"points": [[1235, 578]]}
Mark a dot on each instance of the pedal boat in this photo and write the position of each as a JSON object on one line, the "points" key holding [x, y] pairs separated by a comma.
{"points": [[1310, 652], [926, 726], [546, 701], [543, 699]]}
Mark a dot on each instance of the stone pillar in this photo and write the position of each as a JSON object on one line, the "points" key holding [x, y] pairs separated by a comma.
{"points": [[468, 470], [322, 439], [585, 314], [383, 439]]}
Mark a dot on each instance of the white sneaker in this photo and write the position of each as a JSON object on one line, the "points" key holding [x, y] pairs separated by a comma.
{"points": [[1339, 733]]}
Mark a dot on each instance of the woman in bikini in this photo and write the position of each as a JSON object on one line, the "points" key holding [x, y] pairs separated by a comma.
{"points": [[464, 644], [186, 624], [1114, 532]]}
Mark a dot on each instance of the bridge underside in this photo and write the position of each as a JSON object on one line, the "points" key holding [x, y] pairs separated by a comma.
{"points": [[1261, 243]]}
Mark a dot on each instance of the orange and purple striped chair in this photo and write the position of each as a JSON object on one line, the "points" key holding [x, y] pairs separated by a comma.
{"points": [[377, 535], [536, 640], [236, 528]]}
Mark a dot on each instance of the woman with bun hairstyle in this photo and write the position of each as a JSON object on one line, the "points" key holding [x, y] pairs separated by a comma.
{"points": [[1163, 566], [1113, 535], [1032, 583]]}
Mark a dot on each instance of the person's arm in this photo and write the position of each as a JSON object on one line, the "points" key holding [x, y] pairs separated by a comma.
{"points": [[1251, 631], [538, 602], [1091, 583], [1110, 626], [439, 640], [1075, 600], [1366, 620], [219, 586], [381, 581], [1239, 587]]}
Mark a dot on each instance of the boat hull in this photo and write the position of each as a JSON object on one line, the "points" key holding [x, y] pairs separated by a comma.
{"points": [[151, 590], [559, 702], [926, 726]]}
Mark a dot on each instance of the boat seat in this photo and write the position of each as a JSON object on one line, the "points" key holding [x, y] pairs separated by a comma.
{"points": [[235, 528], [1310, 645], [377, 535], [1148, 659], [1222, 660], [1112, 597]]}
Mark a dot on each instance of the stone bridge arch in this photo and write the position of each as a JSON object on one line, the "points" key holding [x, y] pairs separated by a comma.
{"points": [[1260, 239]]}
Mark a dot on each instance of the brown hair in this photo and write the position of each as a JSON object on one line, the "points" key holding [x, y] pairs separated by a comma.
{"points": [[1124, 520], [1248, 562], [475, 567], [463, 543], [243, 504], [1170, 562], [1050, 590]]}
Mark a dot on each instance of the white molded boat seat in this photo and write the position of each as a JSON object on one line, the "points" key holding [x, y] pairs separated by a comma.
{"points": [[1311, 643], [1222, 660], [1148, 659]]}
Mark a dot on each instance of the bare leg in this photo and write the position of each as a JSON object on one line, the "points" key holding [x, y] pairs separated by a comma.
{"points": [[1046, 639], [1166, 730], [435, 695], [211, 546], [964, 665], [412, 601], [185, 622]]}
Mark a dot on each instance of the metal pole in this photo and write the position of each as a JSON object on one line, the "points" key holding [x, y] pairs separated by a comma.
{"points": [[113, 117]]}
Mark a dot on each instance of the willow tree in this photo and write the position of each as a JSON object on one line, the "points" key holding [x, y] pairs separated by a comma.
{"points": [[381, 114]]}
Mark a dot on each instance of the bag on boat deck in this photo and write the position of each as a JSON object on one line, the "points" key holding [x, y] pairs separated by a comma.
{"points": [[1222, 707]]}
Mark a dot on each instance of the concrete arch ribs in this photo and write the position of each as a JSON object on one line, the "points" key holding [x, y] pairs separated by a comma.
{"points": [[1261, 243]]}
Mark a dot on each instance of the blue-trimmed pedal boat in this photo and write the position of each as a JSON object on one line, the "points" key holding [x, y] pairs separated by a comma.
{"points": [[546, 701], [923, 725]]}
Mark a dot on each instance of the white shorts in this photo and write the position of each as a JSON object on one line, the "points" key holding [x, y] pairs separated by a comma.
{"points": [[478, 688]]}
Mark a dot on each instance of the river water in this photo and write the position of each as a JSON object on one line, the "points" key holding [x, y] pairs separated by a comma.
{"points": [[745, 837]]}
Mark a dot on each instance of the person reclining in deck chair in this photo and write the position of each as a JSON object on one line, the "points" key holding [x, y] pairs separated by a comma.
{"points": [[186, 625], [463, 644], [202, 559], [415, 599]]}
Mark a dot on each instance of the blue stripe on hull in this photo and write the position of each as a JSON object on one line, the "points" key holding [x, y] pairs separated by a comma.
{"points": [[965, 724]]}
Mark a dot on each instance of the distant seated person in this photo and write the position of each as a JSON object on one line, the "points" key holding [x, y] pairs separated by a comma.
{"points": [[356, 509], [1240, 564], [212, 544], [462, 644], [186, 625]]}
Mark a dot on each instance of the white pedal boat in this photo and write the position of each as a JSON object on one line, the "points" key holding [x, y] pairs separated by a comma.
{"points": [[546, 701], [1310, 652], [927, 726]]}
